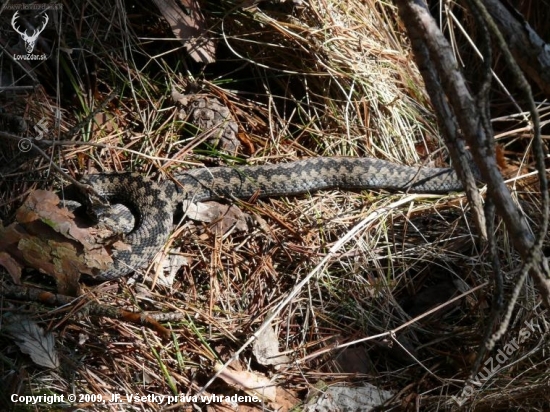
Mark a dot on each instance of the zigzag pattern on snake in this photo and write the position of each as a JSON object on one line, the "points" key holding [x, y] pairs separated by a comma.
{"points": [[154, 204]]}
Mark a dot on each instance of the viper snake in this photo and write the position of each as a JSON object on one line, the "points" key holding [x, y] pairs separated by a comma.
{"points": [[153, 204]]}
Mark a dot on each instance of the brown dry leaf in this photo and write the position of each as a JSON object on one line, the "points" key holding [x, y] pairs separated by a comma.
{"points": [[46, 238], [189, 27], [223, 217], [266, 348], [12, 266], [286, 400], [254, 384], [32, 340]]}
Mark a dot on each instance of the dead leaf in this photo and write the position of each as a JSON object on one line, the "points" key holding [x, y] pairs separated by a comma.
{"points": [[266, 348], [171, 264], [254, 384], [287, 399], [189, 26], [223, 217], [11, 265], [32, 340]]}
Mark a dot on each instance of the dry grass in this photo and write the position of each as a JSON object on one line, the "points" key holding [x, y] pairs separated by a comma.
{"points": [[333, 79]]}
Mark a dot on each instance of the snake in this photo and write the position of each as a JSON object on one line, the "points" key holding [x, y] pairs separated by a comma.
{"points": [[153, 203]]}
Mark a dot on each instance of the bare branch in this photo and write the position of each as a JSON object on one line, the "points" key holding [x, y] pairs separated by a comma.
{"points": [[425, 34]]}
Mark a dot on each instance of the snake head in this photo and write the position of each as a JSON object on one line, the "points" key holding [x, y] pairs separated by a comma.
{"points": [[95, 204]]}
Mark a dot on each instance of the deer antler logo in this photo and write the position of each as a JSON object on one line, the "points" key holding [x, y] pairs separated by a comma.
{"points": [[30, 41]]}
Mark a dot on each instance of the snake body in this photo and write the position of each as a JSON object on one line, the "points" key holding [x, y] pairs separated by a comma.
{"points": [[153, 204]]}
